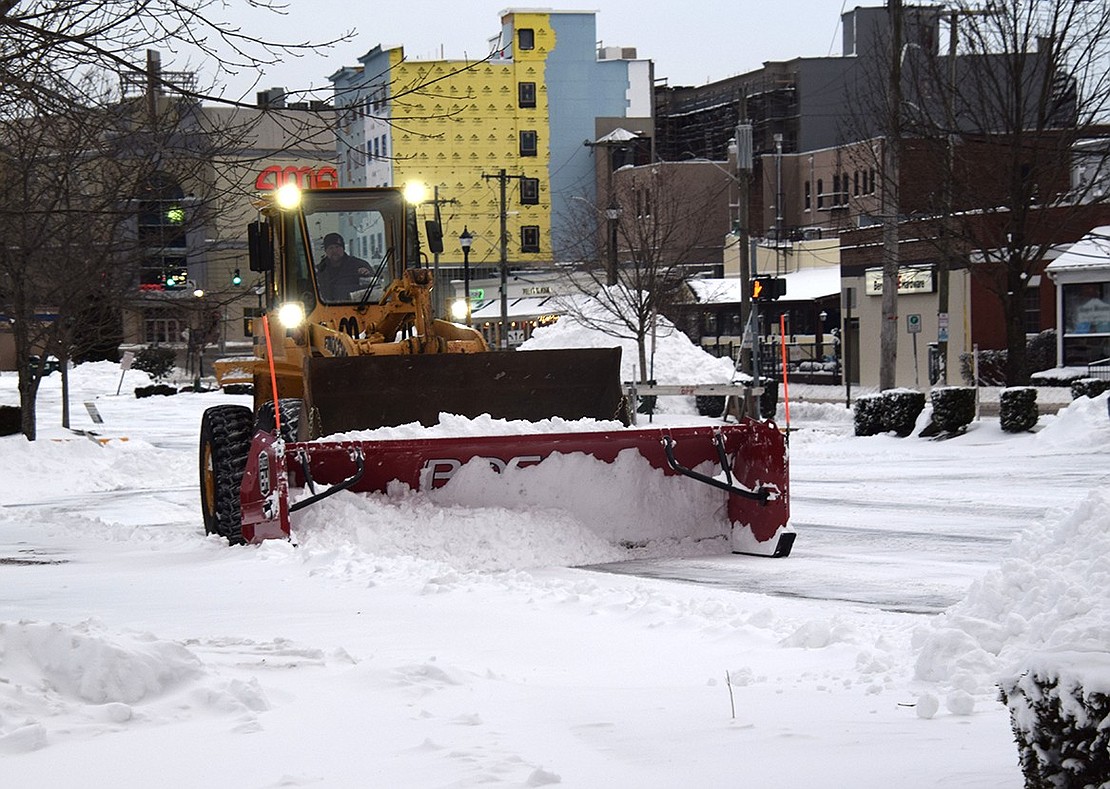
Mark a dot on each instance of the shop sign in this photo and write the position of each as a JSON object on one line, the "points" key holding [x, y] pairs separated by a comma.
{"points": [[910, 280], [275, 176]]}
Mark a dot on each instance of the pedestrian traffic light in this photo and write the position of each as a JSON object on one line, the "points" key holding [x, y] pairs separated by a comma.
{"points": [[236, 278], [767, 288]]}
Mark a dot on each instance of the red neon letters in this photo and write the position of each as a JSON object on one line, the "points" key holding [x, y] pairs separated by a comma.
{"points": [[276, 176]]}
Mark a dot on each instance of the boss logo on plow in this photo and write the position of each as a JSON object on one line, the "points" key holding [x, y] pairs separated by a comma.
{"points": [[438, 472]]}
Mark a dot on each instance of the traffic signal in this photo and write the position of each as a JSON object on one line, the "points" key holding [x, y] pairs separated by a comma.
{"points": [[236, 278], [767, 288]]}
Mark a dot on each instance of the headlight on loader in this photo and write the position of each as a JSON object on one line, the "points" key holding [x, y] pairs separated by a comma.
{"points": [[291, 314], [288, 196]]}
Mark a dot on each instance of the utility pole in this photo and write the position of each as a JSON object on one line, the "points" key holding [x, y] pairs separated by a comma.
{"points": [[946, 223], [503, 178], [888, 331], [748, 308], [439, 306]]}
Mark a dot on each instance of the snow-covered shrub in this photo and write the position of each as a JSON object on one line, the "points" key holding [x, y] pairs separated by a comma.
{"points": [[953, 408], [1088, 387], [1060, 731], [1018, 409], [155, 361], [900, 409], [164, 390], [867, 415], [895, 410], [1040, 354]]}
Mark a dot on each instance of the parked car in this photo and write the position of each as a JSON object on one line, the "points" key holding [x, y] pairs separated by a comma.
{"points": [[51, 365]]}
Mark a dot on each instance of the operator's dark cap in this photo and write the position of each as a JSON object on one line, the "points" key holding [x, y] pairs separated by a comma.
{"points": [[332, 239]]}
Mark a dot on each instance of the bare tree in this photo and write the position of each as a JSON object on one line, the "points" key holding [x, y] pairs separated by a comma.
{"points": [[74, 152], [638, 247], [1009, 118]]}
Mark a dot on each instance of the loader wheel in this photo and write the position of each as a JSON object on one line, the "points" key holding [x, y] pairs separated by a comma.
{"points": [[290, 417], [225, 440]]}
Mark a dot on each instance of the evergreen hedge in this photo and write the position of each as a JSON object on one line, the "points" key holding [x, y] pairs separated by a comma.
{"points": [[1088, 387], [1061, 729], [155, 361], [895, 410], [867, 415], [1018, 409], [953, 408]]}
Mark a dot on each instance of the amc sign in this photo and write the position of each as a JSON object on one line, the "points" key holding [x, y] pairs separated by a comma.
{"points": [[910, 280], [275, 176]]}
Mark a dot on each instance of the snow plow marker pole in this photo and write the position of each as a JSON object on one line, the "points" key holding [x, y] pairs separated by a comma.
{"points": [[273, 375], [760, 495], [785, 383]]}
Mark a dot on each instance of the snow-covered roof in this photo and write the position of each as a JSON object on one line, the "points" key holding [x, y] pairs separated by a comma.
{"points": [[518, 308], [618, 135], [1090, 252], [804, 285]]}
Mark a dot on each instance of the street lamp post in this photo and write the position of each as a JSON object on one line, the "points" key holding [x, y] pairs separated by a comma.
{"points": [[612, 215], [465, 240]]}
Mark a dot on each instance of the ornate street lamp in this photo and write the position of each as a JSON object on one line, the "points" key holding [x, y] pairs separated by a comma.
{"points": [[612, 215], [465, 240]]}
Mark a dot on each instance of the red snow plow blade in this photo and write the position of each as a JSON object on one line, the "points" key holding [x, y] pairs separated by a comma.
{"points": [[629, 485]]}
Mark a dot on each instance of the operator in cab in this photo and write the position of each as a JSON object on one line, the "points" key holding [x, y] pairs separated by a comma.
{"points": [[339, 274]]}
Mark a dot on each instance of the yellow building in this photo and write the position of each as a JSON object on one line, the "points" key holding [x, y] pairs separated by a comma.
{"points": [[498, 141]]}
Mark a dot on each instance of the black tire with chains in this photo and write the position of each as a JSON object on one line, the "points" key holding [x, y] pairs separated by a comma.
{"points": [[225, 439]]}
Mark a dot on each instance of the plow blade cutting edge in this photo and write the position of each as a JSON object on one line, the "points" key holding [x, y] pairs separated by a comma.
{"points": [[631, 486]]}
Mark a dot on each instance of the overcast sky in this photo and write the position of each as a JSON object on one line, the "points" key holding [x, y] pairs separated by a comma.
{"points": [[691, 43]]}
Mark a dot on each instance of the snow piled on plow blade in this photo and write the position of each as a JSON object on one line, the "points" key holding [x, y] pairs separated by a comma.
{"points": [[570, 509]]}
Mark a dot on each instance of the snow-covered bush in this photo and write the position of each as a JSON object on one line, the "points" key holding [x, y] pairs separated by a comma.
{"points": [[155, 361], [895, 410], [953, 408], [1060, 727], [900, 409], [867, 415], [1088, 387], [1018, 409]]}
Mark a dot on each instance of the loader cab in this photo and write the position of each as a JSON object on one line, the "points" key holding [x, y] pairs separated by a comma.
{"points": [[336, 246], [350, 244]]}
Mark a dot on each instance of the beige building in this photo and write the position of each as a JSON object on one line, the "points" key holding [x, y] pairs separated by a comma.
{"points": [[195, 290]]}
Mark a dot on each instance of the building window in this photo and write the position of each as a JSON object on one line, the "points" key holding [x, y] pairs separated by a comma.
{"points": [[530, 238], [530, 191], [528, 143], [1033, 307], [820, 193], [855, 186], [160, 327], [526, 94], [809, 195], [526, 38]]}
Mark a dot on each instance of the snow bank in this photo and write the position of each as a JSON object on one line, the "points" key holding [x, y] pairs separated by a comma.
{"points": [[52, 670], [1051, 593], [676, 359]]}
